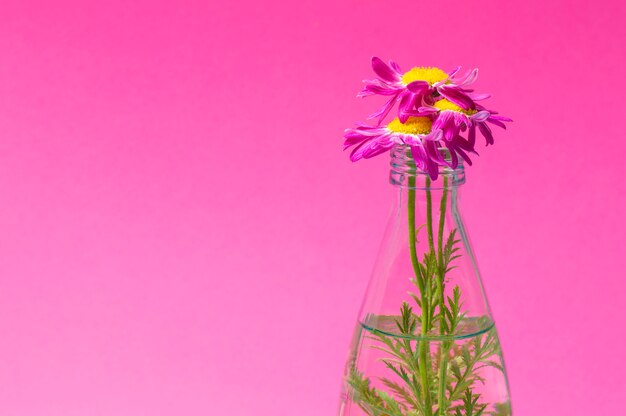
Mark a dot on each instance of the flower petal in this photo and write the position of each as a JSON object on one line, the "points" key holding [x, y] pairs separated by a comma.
{"points": [[377, 89], [471, 135], [468, 78], [427, 110], [478, 96], [384, 110], [419, 156], [454, 159], [496, 122], [486, 132], [481, 116], [374, 148], [454, 71], [501, 118], [457, 96], [464, 156], [418, 87], [406, 105], [384, 71]]}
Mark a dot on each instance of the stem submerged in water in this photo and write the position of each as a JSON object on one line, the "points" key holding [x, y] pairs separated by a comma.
{"points": [[412, 236], [424, 352], [443, 328], [429, 216], [424, 347]]}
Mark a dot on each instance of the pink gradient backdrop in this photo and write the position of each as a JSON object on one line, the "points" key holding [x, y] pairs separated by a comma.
{"points": [[180, 233]]}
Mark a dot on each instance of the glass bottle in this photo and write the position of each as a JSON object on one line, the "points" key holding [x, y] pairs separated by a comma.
{"points": [[425, 343]]}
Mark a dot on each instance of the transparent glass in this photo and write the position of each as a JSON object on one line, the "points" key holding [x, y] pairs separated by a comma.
{"points": [[425, 343]]}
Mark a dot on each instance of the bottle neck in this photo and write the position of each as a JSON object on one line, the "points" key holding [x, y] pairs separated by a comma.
{"points": [[405, 174]]}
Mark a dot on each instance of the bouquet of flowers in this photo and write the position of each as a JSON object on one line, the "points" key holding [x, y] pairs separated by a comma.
{"points": [[436, 351], [434, 110]]}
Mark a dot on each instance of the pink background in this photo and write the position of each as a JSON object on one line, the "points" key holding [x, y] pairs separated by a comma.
{"points": [[180, 233]]}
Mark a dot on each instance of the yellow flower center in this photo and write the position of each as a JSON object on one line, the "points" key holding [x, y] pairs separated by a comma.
{"points": [[414, 125], [429, 74], [449, 105]]}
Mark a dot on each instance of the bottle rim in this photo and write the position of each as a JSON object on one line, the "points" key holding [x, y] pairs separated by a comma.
{"points": [[403, 168]]}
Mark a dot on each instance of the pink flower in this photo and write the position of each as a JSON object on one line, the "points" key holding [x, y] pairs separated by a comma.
{"points": [[435, 110], [417, 133], [416, 88]]}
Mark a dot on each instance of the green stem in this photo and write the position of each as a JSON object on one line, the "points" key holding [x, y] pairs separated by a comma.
{"points": [[445, 347], [424, 362], [423, 352], [442, 218], [429, 216], [412, 237]]}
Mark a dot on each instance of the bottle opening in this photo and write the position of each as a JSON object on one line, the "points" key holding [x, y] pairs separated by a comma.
{"points": [[403, 168]]}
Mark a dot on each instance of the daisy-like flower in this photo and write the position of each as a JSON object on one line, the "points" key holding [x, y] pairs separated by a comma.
{"points": [[437, 116], [416, 132], [481, 122], [452, 120], [414, 89]]}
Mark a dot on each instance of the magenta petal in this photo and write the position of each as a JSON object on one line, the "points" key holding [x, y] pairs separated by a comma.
{"points": [[478, 96], [466, 79], [481, 116], [460, 142], [496, 122], [457, 96], [384, 110], [454, 159], [464, 156], [378, 148], [384, 71], [376, 89], [433, 152], [405, 101], [486, 131], [355, 155], [405, 108], [418, 87], [454, 71], [445, 122], [501, 118], [471, 135], [426, 111], [470, 77], [419, 156], [433, 169], [373, 148]]}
